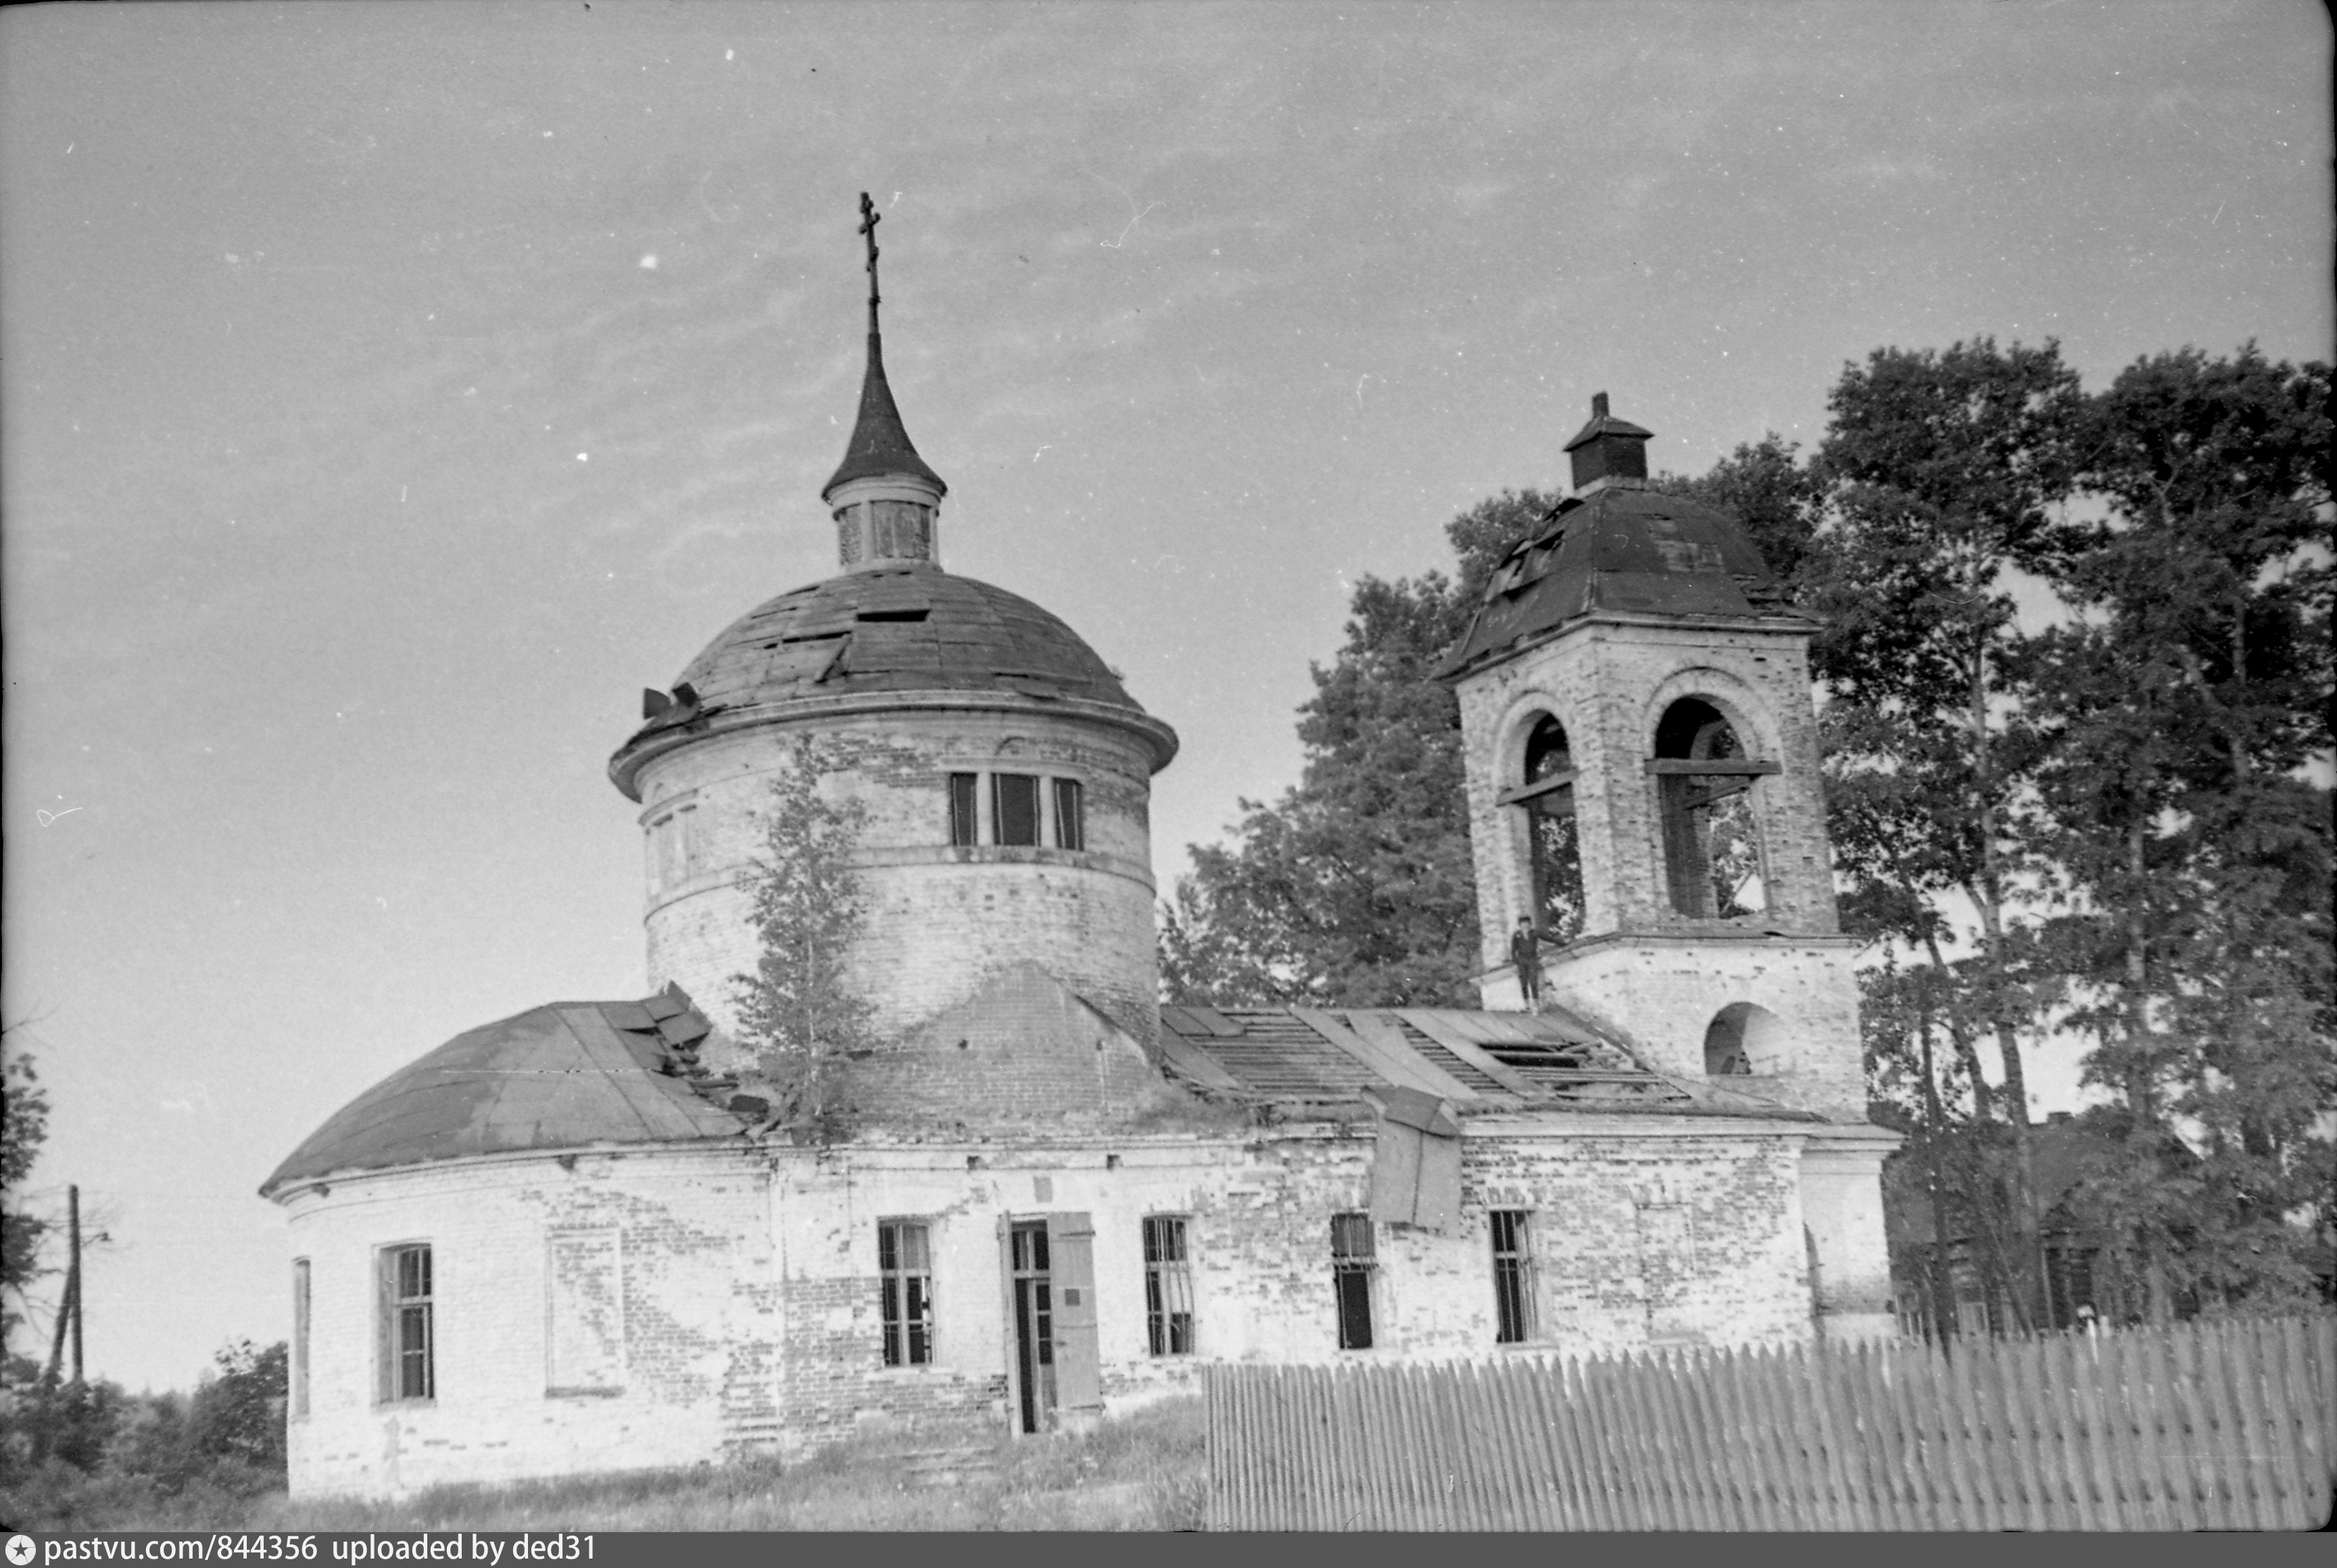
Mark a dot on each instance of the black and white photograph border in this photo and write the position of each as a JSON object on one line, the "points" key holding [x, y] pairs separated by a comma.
{"points": [[1234, 767]]}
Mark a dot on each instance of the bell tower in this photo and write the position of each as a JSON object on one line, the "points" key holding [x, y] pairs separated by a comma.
{"points": [[1641, 757]]}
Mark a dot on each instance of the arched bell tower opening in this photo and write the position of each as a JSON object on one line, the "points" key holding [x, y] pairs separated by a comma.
{"points": [[1714, 867], [1742, 1038], [1545, 792]]}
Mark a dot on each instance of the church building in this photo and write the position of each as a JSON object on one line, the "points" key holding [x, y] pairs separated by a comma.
{"points": [[575, 1239]]}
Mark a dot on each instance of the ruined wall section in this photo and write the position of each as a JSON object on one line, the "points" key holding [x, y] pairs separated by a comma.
{"points": [[941, 919]]}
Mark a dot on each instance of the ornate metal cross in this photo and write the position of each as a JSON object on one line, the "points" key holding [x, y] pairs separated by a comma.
{"points": [[869, 220]]}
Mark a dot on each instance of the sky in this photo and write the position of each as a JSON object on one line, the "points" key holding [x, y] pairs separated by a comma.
{"points": [[389, 393]]}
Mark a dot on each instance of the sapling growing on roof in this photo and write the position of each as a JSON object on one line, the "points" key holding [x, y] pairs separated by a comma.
{"points": [[797, 1012]]}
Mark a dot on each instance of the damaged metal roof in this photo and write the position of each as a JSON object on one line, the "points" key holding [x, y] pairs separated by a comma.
{"points": [[1623, 547], [1308, 1056], [911, 627], [564, 1076]]}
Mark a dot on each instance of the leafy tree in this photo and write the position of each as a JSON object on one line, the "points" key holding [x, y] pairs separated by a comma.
{"points": [[1943, 472], [24, 1126], [797, 1014], [1357, 886], [238, 1415], [2193, 864]]}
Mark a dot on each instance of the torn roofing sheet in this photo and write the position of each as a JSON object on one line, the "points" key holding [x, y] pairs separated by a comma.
{"points": [[1322, 1057], [567, 1075]]}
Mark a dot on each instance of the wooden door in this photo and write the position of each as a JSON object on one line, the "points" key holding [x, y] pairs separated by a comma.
{"points": [[1079, 1383]]}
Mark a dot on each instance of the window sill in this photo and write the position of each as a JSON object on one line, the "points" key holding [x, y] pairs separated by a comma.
{"points": [[429, 1404], [583, 1393]]}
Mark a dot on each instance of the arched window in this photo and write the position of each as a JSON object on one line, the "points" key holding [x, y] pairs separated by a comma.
{"points": [[1553, 854], [1712, 840]]}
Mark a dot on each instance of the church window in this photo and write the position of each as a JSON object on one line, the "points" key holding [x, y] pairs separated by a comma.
{"points": [[408, 1334], [1015, 806], [1553, 849], [962, 809], [1353, 1264], [904, 1267], [1070, 819], [299, 1390], [1514, 1276], [1711, 835], [1168, 1286]]}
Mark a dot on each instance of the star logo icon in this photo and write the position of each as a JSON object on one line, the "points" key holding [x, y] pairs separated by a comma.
{"points": [[20, 1550]]}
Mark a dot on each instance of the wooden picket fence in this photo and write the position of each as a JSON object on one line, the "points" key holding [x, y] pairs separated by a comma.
{"points": [[2221, 1426]]}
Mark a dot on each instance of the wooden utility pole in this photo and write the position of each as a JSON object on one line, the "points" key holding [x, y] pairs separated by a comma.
{"points": [[69, 1306], [73, 1273]]}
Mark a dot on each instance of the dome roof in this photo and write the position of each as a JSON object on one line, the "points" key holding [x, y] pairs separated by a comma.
{"points": [[564, 1076], [912, 628]]}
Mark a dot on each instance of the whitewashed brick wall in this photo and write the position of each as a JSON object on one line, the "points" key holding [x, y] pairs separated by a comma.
{"points": [[693, 1234], [750, 1305]]}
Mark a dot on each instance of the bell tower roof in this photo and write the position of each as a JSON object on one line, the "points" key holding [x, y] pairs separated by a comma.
{"points": [[880, 447], [1616, 548]]}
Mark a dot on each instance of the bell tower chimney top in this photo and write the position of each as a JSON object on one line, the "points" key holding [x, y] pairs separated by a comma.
{"points": [[1607, 450]]}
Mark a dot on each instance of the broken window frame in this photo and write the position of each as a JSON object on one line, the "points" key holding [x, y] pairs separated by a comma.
{"points": [[904, 1290], [1355, 1268], [1169, 1316], [1516, 1318], [964, 809], [1070, 814], [409, 1342], [1003, 785]]}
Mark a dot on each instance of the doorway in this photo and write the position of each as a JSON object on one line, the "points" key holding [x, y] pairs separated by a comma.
{"points": [[1035, 1324]]}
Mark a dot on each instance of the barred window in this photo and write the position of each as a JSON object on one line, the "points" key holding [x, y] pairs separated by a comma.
{"points": [[1352, 1263], [904, 1264], [408, 1333], [1168, 1286], [1015, 805], [1070, 821], [1514, 1276], [960, 809]]}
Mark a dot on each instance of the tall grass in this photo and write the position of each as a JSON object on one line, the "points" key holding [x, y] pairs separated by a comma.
{"points": [[1144, 1471]]}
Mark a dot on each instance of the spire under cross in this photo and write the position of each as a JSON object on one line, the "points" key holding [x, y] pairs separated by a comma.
{"points": [[869, 220]]}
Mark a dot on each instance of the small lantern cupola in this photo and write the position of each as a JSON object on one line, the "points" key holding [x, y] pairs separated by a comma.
{"points": [[884, 498], [1608, 450]]}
